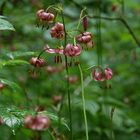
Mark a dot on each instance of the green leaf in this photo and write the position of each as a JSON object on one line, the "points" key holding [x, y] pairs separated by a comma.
{"points": [[13, 85], [55, 119], [20, 54], [91, 106], [6, 25], [13, 117], [113, 102], [12, 62]]}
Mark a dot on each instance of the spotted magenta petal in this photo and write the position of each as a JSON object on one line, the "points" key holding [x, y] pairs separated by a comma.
{"points": [[105, 74], [71, 50], [98, 76], [38, 123], [56, 50], [108, 73]]}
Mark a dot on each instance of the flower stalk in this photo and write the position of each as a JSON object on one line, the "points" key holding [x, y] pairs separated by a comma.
{"points": [[83, 101], [67, 74]]}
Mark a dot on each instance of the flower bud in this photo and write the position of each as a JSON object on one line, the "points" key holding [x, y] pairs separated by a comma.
{"points": [[85, 23], [37, 62]]}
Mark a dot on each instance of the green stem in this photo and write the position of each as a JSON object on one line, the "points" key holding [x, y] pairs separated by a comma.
{"points": [[99, 42], [111, 121], [83, 101], [123, 7], [67, 72], [125, 23], [52, 136]]}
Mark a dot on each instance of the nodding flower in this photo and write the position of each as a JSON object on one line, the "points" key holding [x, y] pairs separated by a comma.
{"points": [[45, 16], [37, 62], [54, 50], [38, 122], [84, 37], [85, 23], [72, 50], [57, 31], [57, 51], [98, 75], [102, 75]]}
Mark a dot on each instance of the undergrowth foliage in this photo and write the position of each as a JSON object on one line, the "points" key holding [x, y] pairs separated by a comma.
{"points": [[67, 110]]}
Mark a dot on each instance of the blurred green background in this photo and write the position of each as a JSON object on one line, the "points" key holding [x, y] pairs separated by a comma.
{"points": [[26, 91]]}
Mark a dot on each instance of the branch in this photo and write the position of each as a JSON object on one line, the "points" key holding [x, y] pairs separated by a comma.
{"points": [[125, 24]]}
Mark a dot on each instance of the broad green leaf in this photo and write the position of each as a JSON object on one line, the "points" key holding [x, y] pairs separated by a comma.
{"points": [[6, 25], [13, 85], [13, 116], [55, 118], [91, 106], [20, 54], [12, 62], [112, 101]]}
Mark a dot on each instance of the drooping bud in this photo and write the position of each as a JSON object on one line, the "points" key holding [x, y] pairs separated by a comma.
{"points": [[113, 8], [85, 23], [37, 62]]}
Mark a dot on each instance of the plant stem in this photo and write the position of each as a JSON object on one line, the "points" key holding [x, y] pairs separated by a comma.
{"points": [[111, 122], [117, 18], [122, 7], [67, 72], [83, 101], [99, 40], [125, 24]]}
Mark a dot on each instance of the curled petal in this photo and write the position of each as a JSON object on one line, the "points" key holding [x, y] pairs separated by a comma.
{"points": [[45, 16], [77, 50], [108, 73], [71, 50], [39, 122], [37, 62], [57, 50], [98, 76], [57, 31], [84, 37]]}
